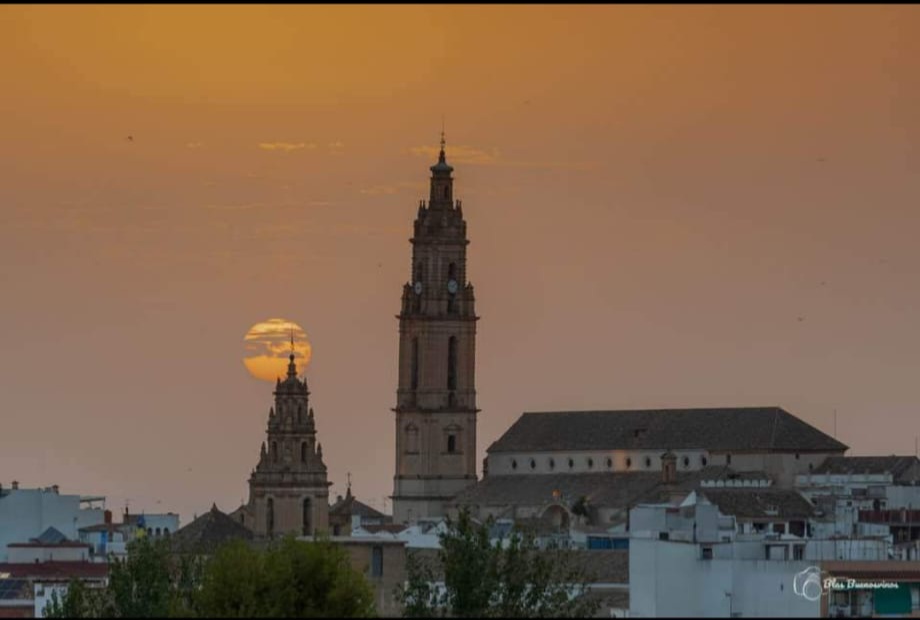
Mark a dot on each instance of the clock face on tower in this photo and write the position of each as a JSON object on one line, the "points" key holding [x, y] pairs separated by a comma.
{"points": [[418, 288], [451, 286]]}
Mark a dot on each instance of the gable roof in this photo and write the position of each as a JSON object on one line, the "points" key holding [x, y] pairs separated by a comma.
{"points": [[208, 532], [897, 466], [51, 536], [760, 503], [349, 505], [741, 429], [607, 489]]}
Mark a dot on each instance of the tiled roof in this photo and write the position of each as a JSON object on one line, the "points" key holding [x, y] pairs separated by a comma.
{"points": [[894, 465], [51, 536], [728, 429], [351, 506], [608, 489], [760, 503], [208, 532], [56, 570]]}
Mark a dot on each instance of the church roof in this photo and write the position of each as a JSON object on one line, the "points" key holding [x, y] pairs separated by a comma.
{"points": [[760, 503], [348, 505], [767, 429], [608, 489], [208, 532], [897, 466]]}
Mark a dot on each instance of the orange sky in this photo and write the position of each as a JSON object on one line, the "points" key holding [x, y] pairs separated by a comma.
{"points": [[655, 196]]}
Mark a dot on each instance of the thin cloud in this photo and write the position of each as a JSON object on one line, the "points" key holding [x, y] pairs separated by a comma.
{"points": [[391, 189], [489, 157], [194, 145], [285, 146]]}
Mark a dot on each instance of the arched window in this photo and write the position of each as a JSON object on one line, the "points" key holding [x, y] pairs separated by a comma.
{"points": [[451, 443], [533, 464], [609, 463], [571, 463], [149, 531], [452, 363], [306, 517], [648, 462], [412, 439], [703, 461], [513, 464], [628, 462], [590, 463], [274, 451], [165, 531], [552, 463], [270, 516], [303, 451], [686, 461], [413, 362], [157, 532]]}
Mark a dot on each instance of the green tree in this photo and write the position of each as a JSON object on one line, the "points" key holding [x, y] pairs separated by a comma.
{"points": [[508, 578], [291, 579]]}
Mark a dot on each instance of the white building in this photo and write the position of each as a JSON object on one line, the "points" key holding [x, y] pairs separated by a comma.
{"points": [[27, 513]]}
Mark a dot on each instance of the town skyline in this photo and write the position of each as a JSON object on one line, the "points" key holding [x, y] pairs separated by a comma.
{"points": [[711, 226]]}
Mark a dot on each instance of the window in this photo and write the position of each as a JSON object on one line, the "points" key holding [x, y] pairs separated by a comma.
{"points": [[306, 517], [377, 562], [274, 451], [452, 271], [728, 459], [703, 461], [648, 462], [609, 463], [270, 516], [412, 439], [798, 552], [451, 444], [533, 464], [686, 461], [628, 462], [513, 464], [707, 553], [157, 532], [590, 463], [303, 451], [552, 463], [663, 536], [571, 463], [452, 363], [413, 370]]}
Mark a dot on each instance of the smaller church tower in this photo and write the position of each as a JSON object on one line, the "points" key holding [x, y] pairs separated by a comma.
{"points": [[288, 490]]}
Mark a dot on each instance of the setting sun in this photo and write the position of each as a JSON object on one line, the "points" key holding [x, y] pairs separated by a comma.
{"points": [[268, 346]]}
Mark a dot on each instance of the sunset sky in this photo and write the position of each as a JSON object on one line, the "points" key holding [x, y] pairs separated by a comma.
{"points": [[667, 206]]}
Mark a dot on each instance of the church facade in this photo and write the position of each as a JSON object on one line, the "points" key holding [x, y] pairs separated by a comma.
{"points": [[436, 393], [288, 489]]}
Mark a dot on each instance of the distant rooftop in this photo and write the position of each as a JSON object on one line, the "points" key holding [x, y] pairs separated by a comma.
{"points": [[897, 466], [739, 429]]}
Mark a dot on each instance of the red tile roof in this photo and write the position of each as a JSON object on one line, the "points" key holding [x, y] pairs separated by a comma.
{"points": [[56, 570], [67, 544]]}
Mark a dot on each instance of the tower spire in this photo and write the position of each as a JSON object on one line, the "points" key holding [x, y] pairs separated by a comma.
{"points": [[441, 157], [292, 367]]}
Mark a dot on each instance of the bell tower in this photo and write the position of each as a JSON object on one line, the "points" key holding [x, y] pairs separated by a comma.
{"points": [[436, 396], [288, 489]]}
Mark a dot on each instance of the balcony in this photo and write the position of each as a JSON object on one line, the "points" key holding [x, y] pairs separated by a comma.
{"points": [[890, 517]]}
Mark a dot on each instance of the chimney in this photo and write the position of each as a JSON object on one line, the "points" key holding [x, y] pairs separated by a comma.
{"points": [[669, 467], [108, 517], [56, 489], [15, 485]]}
